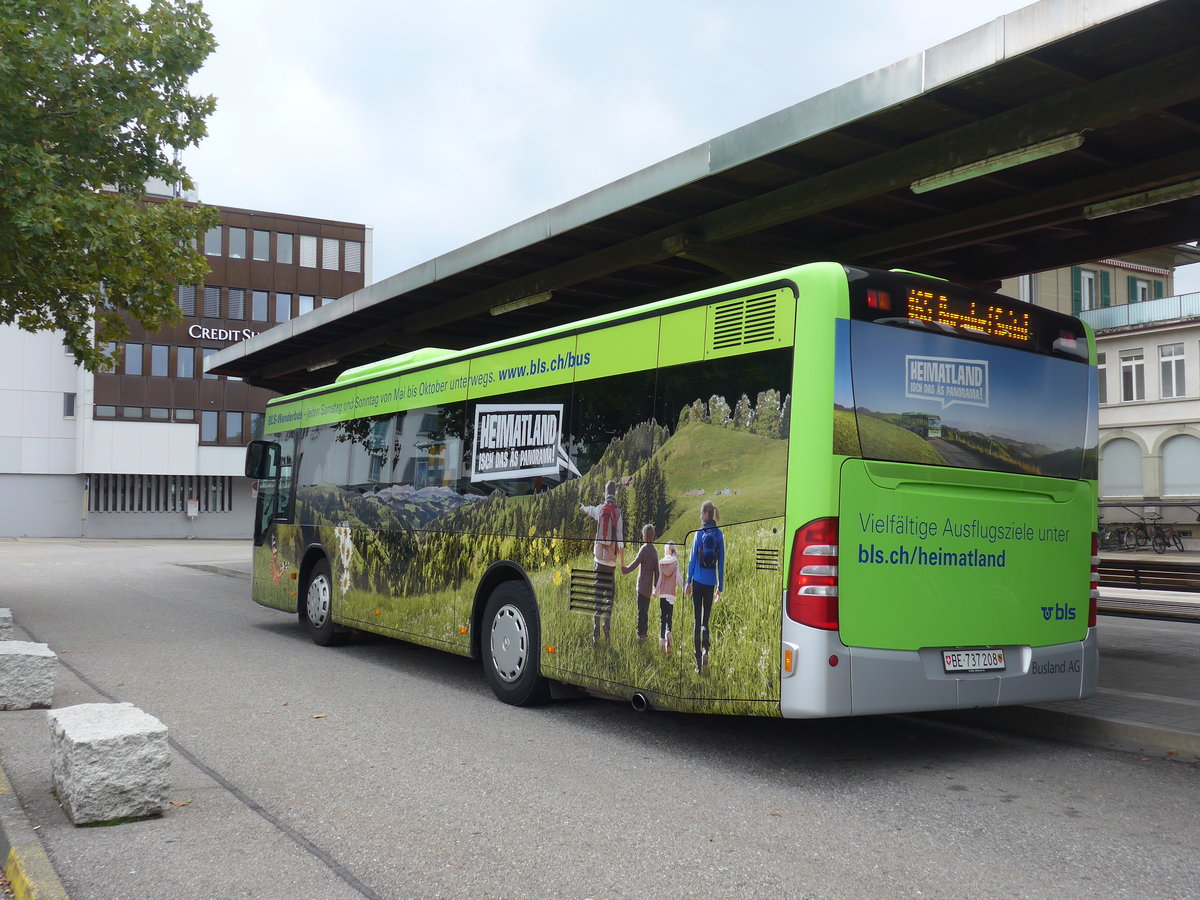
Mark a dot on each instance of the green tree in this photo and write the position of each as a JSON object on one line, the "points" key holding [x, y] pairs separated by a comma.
{"points": [[743, 414], [719, 412], [94, 104], [767, 414]]}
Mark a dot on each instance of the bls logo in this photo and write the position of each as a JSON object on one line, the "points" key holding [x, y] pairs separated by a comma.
{"points": [[1058, 613]]}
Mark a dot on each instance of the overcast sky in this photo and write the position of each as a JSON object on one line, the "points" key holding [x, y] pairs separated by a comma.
{"points": [[438, 123]]}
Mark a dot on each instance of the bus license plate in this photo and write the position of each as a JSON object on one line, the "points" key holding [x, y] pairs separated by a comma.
{"points": [[973, 660]]}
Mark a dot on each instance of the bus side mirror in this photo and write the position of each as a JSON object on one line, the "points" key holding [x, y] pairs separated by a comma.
{"points": [[262, 459]]}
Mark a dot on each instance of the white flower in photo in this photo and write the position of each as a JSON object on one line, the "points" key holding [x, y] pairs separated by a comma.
{"points": [[345, 552]]}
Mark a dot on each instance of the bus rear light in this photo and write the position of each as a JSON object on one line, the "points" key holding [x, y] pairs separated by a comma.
{"points": [[1094, 593], [812, 597]]}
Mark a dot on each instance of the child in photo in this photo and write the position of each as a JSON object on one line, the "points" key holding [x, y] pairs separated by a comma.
{"points": [[646, 562], [667, 590]]}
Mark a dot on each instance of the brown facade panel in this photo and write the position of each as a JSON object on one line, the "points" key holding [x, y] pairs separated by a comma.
{"points": [[237, 395], [133, 390], [159, 392], [212, 395], [308, 281], [107, 390], [186, 393]]}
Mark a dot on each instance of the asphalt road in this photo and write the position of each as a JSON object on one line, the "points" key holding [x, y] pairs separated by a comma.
{"points": [[385, 770]]}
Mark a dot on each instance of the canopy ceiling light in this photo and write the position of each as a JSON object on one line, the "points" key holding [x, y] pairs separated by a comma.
{"points": [[531, 300], [1166, 194], [998, 163]]}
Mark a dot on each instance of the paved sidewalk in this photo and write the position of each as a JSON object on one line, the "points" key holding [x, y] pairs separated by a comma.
{"points": [[1148, 702]]}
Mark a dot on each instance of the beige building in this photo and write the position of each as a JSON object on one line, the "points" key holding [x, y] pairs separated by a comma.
{"points": [[1148, 345]]}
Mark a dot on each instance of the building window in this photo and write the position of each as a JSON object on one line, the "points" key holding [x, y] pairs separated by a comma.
{"points": [[1133, 376], [131, 412], [106, 412], [185, 362], [306, 304], [256, 426], [157, 412], [233, 427], [329, 253], [1090, 289], [1139, 290], [206, 353], [212, 302], [208, 426], [237, 243], [160, 359], [133, 359], [308, 251], [1120, 469], [1170, 362], [327, 301], [1087, 290], [283, 249], [1181, 466], [185, 415], [68, 406], [236, 303], [212, 241], [283, 307], [187, 299], [354, 258], [1026, 284], [258, 306], [111, 351], [262, 245], [1101, 378]]}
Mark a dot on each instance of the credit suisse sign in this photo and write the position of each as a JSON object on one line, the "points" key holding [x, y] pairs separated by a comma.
{"points": [[201, 333]]}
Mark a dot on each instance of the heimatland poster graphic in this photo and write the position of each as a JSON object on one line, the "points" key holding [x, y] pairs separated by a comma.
{"points": [[913, 396], [612, 495]]}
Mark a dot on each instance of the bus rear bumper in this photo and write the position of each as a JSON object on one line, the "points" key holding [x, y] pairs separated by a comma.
{"points": [[878, 682]]}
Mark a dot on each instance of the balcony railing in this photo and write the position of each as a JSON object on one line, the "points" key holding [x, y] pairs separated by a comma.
{"points": [[1148, 312]]}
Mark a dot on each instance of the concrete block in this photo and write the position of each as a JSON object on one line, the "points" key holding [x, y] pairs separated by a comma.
{"points": [[108, 761], [6, 624], [26, 674]]}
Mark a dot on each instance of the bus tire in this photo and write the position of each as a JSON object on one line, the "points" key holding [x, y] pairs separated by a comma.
{"points": [[315, 608], [510, 645]]}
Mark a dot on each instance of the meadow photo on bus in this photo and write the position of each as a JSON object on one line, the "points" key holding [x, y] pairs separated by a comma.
{"points": [[487, 501]]}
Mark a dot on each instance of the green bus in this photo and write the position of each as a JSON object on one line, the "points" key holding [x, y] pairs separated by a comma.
{"points": [[710, 503]]}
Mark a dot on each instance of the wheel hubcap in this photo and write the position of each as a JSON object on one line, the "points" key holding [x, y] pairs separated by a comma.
{"points": [[318, 601], [509, 643]]}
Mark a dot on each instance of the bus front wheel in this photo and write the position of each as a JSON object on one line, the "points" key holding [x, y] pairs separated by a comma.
{"points": [[510, 646], [316, 610]]}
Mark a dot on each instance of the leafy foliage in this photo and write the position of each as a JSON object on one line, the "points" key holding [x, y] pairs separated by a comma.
{"points": [[93, 105]]}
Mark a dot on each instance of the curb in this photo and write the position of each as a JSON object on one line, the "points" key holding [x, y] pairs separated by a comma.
{"points": [[1120, 734], [216, 570], [25, 862]]}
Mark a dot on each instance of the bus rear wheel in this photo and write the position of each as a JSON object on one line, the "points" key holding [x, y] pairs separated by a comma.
{"points": [[510, 646], [316, 607]]}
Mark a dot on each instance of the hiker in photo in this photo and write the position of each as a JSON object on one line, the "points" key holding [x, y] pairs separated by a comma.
{"points": [[667, 590], [609, 549], [646, 562], [705, 578]]}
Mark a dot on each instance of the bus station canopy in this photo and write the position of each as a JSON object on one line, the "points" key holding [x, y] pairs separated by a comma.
{"points": [[1063, 132]]}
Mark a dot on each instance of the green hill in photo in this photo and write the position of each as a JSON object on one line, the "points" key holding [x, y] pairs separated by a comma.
{"points": [[882, 440], [712, 459]]}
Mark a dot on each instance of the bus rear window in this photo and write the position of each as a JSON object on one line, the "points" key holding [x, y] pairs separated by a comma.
{"points": [[911, 395]]}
